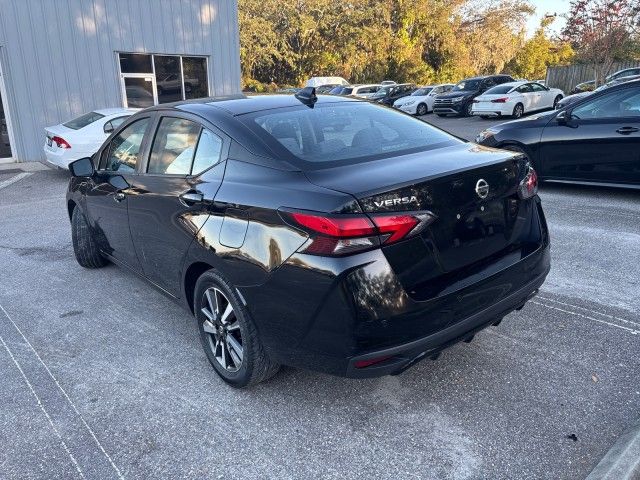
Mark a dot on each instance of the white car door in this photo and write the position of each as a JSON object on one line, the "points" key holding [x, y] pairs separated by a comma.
{"points": [[542, 95], [526, 97]]}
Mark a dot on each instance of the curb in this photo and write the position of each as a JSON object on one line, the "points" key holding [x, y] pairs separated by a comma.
{"points": [[622, 461]]}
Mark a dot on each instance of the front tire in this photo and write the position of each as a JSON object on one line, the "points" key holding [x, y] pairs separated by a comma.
{"points": [[556, 101], [228, 335], [422, 110], [85, 247], [468, 110]]}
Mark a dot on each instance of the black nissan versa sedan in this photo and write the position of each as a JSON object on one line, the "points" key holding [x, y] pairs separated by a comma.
{"points": [[594, 140], [355, 249]]}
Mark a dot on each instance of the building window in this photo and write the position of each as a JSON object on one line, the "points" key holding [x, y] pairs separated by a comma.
{"points": [[151, 79]]}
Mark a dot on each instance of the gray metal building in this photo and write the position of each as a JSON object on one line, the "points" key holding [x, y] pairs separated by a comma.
{"points": [[62, 58]]}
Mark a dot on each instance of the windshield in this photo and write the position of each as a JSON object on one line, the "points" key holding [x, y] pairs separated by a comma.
{"points": [[467, 85], [382, 92], [337, 134], [83, 121], [499, 89], [421, 92]]}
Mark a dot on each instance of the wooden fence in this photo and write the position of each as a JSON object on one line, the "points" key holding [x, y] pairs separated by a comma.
{"points": [[569, 76]]}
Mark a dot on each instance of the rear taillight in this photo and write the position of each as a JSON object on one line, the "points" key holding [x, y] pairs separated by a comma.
{"points": [[60, 142], [500, 100], [337, 234], [529, 184]]}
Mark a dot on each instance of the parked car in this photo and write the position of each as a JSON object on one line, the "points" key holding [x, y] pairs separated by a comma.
{"points": [[515, 99], [595, 140], [337, 90], [584, 87], [569, 99], [326, 88], [459, 100], [626, 72], [319, 81], [387, 94], [362, 91], [82, 136], [578, 96], [420, 102], [321, 251]]}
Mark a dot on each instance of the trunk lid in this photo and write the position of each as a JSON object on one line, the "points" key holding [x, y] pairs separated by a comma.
{"points": [[471, 190]]}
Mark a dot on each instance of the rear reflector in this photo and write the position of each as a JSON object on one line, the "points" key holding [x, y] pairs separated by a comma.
{"points": [[336, 234], [60, 142], [368, 363]]}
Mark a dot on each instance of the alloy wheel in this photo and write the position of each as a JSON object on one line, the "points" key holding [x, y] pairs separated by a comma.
{"points": [[518, 111], [223, 329], [422, 109]]}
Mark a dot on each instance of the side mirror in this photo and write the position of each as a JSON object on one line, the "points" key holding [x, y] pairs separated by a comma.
{"points": [[562, 118], [82, 168], [108, 127]]}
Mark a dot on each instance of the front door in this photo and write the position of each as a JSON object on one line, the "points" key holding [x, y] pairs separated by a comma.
{"points": [[599, 143], [171, 194], [139, 90], [108, 196]]}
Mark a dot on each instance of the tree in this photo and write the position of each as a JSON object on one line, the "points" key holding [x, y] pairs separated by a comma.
{"points": [[538, 53], [602, 31]]}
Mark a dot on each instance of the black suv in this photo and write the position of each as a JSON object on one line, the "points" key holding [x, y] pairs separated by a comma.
{"points": [[459, 99], [390, 93]]}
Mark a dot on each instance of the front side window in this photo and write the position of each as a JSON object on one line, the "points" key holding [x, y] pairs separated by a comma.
{"points": [[327, 135], [83, 120], [124, 150], [173, 147], [623, 103]]}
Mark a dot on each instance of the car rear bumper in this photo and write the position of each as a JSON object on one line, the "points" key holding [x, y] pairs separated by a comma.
{"points": [[331, 313], [401, 357], [492, 109]]}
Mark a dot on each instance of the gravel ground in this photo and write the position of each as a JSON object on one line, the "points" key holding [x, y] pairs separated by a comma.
{"points": [[105, 378]]}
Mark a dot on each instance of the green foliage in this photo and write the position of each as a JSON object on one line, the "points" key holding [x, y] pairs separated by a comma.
{"points": [[420, 41]]}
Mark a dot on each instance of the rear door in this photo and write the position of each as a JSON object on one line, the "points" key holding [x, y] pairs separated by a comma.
{"points": [[181, 174], [600, 143], [107, 201]]}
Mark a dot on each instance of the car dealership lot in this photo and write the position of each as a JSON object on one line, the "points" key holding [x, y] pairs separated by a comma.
{"points": [[104, 376]]}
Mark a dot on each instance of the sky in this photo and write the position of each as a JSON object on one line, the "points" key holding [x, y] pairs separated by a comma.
{"points": [[544, 7]]}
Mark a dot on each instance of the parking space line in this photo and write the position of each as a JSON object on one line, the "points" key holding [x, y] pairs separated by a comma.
{"points": [[65, 395], [612, 317], [44, 410], [630, 330], [12, 180]]}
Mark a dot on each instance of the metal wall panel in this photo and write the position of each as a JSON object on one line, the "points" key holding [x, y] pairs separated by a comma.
{"points": [[59, 57]]}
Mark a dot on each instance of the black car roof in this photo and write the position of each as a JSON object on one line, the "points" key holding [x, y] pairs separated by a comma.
{"points": [[241, 104]]}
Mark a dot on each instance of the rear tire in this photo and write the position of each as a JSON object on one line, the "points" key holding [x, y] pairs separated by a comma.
{"points": [[228, 334], [85, 247], [518, 110]]}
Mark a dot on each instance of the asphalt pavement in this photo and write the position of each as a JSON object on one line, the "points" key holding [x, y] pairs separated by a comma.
{"points": [[104, 377]]}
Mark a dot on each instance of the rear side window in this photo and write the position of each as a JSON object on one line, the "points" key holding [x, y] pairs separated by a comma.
{"points": [[329, 135], [173, 146], [208, 152], [84, 120]]}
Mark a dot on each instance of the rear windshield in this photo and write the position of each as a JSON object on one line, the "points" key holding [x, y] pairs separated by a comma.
{"points": [[346, 91], [84, 120], [499, 89], [335, 134], [467, 85]]}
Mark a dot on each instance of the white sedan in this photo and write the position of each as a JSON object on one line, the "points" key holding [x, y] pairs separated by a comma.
{"points": [[82, 136], [420, 102], [515, 99]]}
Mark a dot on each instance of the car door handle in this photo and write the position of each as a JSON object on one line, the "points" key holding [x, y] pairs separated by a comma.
{"points": [[191, 198], [119, 196], [627, 130]]}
